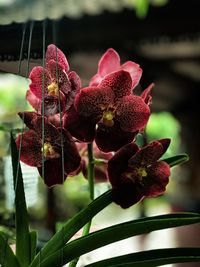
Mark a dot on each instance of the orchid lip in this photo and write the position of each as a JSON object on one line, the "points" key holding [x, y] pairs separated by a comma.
{"points": [[107, 118], [48, 150], [53, 89]]}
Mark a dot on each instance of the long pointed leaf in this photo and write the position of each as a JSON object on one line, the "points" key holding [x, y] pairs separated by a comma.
{"points": [[71, 227], [7, 257], [33, 244], [115, 233], [176, 160], [152, 258], [21, 215]]}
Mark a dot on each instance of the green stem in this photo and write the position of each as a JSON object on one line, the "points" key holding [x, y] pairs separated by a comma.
{"points": [[90, 170]]}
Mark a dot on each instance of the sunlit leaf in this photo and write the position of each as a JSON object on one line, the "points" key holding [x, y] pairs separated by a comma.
{"points": [[152, 258], [115, 233]]}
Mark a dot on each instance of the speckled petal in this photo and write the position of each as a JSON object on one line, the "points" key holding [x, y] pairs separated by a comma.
{"points": [[52, 172], [30, 149], [134, 70], [120, 82], [82, 128], [75, 88], [59, 76], [119, 163], [132, 113], [75, 81], [92, 100], [40, 79], [112, 138], [57, 55], [72, 158], [127, 194], [33, 100], [147, 155], [157, 179], [28, 118], [165, 142], [150, 153]]}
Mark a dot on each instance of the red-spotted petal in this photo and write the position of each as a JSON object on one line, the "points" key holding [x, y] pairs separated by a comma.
{"points": [[91, 101], [72, 158], [57, 55], [40, 79], [59, 76], [53, 172], [134, 70], [75, 88], [165, 142], [147, 155], [112, 138], [75, 81], [33, 100], [30, 148], [157, 179], [28, 118], [127, 194], [120, 82], [119, 163], [132, 113], [82, 128]]}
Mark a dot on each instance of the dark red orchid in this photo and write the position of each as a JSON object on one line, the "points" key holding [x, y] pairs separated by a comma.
{"points": [[101, 162], [108, 113], [136, 172], [55, 83], [110, 62], [33, 150]]}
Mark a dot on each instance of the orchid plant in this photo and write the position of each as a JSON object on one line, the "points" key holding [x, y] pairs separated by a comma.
{"points": [[91, 130]]}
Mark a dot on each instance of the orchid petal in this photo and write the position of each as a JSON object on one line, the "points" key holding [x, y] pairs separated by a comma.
{"points": [[134, 70], [132, 113], [57, 55]]}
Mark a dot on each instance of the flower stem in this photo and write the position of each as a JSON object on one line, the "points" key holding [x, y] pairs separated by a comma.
{"points": [[90, 170]]}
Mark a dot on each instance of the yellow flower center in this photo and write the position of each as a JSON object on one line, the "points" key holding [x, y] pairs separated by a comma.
{"points": [[142, 172], [108, 118], [53, 89], [48, 150]]}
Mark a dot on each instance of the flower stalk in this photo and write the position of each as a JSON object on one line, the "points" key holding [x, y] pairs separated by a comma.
{"points": [[86, 228]]}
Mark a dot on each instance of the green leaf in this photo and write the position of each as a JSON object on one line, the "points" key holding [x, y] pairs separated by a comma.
{"points": [[21, 216], [115, 233], [2, 128], [141, 8], [58, 241], [178, 159], [33, 244], [152, 258], [7, 257]]}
